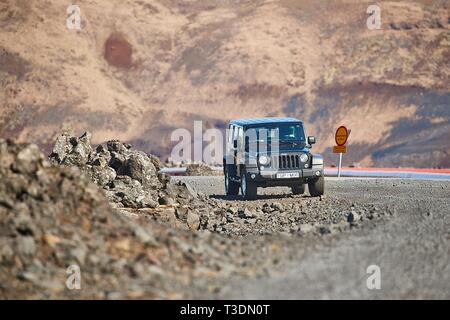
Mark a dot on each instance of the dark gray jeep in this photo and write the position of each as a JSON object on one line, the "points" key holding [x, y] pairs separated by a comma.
{"points": [[266, 152]]}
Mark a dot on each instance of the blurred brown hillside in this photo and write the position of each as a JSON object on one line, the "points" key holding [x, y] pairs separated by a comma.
{"points": [[138, 69]]}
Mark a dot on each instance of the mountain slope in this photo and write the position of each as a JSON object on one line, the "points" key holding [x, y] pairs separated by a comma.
{"points": [[139, 69]]}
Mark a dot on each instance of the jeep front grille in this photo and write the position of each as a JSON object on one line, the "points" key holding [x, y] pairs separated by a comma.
{"points": [[287, 161]]}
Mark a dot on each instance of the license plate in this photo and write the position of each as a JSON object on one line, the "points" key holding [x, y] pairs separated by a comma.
{"points": [[287, 175]]}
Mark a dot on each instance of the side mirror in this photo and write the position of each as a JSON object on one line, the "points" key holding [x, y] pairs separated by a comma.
{"points": [[235, 144], [311, 140]]}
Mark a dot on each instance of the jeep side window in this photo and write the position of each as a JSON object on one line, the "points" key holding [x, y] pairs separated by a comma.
{"points": [[235, 134], [230, 135], [240, 137]]}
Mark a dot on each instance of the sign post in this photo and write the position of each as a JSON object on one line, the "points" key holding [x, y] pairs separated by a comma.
{"points": [[341, 138]]}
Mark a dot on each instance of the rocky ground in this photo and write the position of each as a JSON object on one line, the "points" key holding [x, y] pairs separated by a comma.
{"points": [[135, 233], [282, 212]]}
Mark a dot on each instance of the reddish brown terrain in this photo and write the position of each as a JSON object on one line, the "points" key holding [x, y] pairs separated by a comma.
{"points": [[139, 69]]}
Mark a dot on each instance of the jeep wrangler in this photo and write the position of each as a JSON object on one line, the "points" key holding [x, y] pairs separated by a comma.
{"points": [[267, 152]]}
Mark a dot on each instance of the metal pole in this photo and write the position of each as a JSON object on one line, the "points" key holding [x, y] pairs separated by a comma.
{"points": [[340, 164]]}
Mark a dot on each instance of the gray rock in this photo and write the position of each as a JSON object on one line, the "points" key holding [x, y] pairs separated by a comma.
{"points": [[353, 217], [101, 160], [139, 167], [101, 148], [103, 175], [28, 159], [186, 191], [246, 213], [85, 138], [116, 146], [169, 216], [61, 148], [117, 160], [26, 245], [182, 212], [6, 253], [77, 151], [193, 220], [277, 206], [266, 208], [166, 200], [147, 201], [79, 155]]}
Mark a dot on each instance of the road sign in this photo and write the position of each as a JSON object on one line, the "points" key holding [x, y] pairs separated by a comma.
{"points": [[340, 149], [341, 136]]}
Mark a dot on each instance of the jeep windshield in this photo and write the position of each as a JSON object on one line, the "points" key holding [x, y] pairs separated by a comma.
{"points": [[286, 135]]}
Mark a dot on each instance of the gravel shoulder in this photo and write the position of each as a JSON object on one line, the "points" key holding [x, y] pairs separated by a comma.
{"points": [[410, 244]]}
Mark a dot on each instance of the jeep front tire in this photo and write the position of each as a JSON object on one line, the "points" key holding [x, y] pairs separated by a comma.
{"points": [[317, 187], [248, 188]]}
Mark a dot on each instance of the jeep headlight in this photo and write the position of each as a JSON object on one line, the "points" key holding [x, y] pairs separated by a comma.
{"points": [[264, 160], [303, 157]]}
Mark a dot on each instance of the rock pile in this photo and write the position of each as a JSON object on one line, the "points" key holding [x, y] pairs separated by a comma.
{"points": [[53, 219], [131, 178]]}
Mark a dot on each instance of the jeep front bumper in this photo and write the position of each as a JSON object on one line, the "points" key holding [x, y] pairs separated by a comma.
{"points": [[270, 177]]}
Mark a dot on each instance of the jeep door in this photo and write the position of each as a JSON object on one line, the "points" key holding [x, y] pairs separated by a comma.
{"points": [[239, 152]]}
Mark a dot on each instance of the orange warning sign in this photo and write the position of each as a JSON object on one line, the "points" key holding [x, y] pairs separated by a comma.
{"points": [[341, 136]]}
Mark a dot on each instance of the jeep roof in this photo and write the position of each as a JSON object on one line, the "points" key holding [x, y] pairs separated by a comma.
{"points": [[256, 121]]}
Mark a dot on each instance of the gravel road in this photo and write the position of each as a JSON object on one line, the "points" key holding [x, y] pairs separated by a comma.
{"points": [[403, 228]]}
